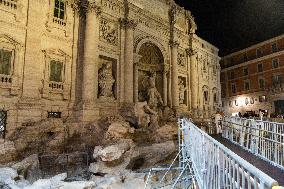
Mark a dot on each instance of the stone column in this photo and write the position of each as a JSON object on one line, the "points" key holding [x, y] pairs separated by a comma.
{"points": [[169, 103], [128, 59], [193, 81], [90, 63], [188, 55], [174, 71], [165, 84], [219, 85], [136, 75], [135, 82]]}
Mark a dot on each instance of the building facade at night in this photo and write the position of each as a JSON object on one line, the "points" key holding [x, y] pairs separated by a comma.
{"points": [[87, 59], [252, 78]]}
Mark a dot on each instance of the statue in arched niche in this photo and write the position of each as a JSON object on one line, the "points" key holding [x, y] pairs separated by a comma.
{"points": [[182, 89], [106, 81], [154, 97]]}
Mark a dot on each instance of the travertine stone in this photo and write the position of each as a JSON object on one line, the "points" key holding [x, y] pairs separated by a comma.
{"points": [[174, 55], [36, 37], [165, 84], [194, 81], [91, 57], [128, 59]]}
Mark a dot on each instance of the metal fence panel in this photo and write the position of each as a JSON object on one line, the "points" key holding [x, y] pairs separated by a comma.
{"points": [[210, 165], [216, 167], [262, 138]]}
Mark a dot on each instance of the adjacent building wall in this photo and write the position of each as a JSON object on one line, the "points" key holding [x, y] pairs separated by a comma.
{"points": [[260, 63]]}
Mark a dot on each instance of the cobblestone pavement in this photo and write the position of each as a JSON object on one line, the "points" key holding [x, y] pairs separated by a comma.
{"points": [[274, 172]]}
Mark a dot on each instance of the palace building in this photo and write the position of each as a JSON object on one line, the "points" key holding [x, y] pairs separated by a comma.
{"points": [[253, 78], [84, 59]]}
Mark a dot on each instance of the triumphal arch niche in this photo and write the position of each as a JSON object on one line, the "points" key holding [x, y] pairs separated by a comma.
{"points": [[136, 47], [150, 66]]}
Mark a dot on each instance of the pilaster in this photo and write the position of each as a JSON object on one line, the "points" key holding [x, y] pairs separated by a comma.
{"points": [[90, 64], [136, 74], [193, 80], [174, 75], [165, 84], [129, 26]]}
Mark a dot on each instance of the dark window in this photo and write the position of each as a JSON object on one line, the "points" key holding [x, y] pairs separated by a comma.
{"points": [[277, 80], [262, 98], [230, 103], [5, 61], [258, 53], [247, 85], [3, 122], [56, 68], [59, 9], [245, 71], [260, 67], [205, 95], [274, 47], [223, 91], [245, 57], [234, 88], [54, 115], [232, 75], [275, 63], [215, 98], [261, 83], [236, 103], [232, 61]]}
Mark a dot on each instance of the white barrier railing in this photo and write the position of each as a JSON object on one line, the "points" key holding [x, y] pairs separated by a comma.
{"points": [[216, 167], [262, 138]]}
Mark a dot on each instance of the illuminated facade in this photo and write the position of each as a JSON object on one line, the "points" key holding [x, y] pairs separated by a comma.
{"points": [[90, 58], [252, 79]]}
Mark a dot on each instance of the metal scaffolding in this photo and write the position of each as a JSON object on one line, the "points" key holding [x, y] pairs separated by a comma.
{"points": [[204, 163]]}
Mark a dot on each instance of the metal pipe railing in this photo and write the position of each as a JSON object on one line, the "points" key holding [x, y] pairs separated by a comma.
{"points": [[215, 166], [262, 138]]}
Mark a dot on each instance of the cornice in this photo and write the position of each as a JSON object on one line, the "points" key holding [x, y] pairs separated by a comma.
{"points": [[255, 46], [255, 60]]}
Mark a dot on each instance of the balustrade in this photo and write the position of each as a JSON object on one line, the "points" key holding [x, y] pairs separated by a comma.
{"points": [[5, 80], [12, 4], [59, 21]]}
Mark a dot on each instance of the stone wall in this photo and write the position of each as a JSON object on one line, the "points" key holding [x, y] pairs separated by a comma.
{"points": [[98, 49]]}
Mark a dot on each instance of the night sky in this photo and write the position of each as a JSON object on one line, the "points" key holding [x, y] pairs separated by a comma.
{"points": [[235, 24]]}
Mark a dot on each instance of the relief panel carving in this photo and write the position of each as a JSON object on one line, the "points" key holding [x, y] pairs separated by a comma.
{"points": [[181, 59], [109, 32], [113, 6]]}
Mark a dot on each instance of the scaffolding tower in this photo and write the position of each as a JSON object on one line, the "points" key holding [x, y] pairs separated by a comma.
{"points": [[179, 174]]}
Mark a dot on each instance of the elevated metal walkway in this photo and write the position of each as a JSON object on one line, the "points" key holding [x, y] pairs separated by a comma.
{"points": [[205, 163]]}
